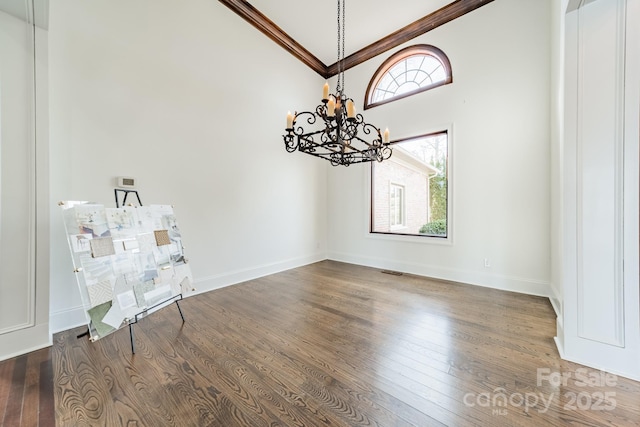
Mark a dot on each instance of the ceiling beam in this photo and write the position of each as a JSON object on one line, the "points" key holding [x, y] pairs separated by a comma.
{"points": [[423, 25], [254, 17]]}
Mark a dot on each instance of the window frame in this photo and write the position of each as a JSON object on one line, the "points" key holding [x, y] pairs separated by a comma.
{"points": [[403, 207], [416, 238], [420, 49]]}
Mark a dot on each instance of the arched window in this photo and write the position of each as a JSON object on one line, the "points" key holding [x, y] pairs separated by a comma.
{"points": [[407, 72]]}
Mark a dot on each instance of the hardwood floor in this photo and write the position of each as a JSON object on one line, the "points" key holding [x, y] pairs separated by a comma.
{"points": [[333, 344], [26, 390]]}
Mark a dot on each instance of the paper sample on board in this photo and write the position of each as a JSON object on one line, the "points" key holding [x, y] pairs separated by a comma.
{"points": [[127, 299], [162, 237], [121, 221], [123, 264], [92, 219], [158, 294], [97, 314], [146, 242], [114, 316], [182, 279], [130, 244], [165, 274], [95, 269], [100, 292], [140, 289], [80, 242], [102, 246]]}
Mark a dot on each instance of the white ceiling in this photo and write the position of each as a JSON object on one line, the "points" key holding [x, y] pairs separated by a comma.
{"points": [[24, 9], [312, 23]]}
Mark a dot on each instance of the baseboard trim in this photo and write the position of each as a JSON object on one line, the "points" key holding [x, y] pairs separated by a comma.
{"points": [[635, 376], [488, 280], [559, 347], [69, 318], [556, 301], [73, 317], [24, 341], [210, 283]]}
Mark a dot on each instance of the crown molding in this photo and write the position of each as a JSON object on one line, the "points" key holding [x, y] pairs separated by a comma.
{"points": [[423, 25], [267, 27]]}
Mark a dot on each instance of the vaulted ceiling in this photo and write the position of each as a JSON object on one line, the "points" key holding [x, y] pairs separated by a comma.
{"points": [[308, 28]]}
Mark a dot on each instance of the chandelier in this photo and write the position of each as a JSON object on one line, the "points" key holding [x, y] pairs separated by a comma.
{"points": [[338, 133]]}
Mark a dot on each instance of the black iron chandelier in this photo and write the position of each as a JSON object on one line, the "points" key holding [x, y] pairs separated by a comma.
{"points": [[340, 134]]}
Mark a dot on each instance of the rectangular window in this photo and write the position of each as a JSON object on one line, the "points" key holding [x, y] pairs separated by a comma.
{"points": [[418, 207]]}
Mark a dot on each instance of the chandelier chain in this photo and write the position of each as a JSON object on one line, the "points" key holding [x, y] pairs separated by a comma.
{"points": [[344, 36], [340, 87]]}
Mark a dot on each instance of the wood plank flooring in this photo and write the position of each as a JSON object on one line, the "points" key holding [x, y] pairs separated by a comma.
{"points": [[26, 390], [333, 344]]}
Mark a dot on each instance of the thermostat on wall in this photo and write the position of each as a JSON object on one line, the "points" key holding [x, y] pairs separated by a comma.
{"points": [[126, 182]]}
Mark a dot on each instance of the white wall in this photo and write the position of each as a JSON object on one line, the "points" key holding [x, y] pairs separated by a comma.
{"points": [[192, 101], [498, 108], [24, 242]]}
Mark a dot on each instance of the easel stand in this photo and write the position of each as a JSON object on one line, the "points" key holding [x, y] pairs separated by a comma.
{"points": [[126, 194], [139, 315]]}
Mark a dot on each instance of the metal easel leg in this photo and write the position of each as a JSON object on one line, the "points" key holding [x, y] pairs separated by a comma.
{"points": [[133, 349], [180, 310]]}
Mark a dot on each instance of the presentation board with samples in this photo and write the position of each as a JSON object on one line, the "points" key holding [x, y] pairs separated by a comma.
{"points": [[128, 261]]}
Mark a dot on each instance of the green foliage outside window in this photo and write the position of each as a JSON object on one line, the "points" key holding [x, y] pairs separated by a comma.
{"points": [[438, 192], [437, 228]]}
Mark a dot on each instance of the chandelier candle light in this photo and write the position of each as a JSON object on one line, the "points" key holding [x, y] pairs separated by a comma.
{"points": [[340, 133]]}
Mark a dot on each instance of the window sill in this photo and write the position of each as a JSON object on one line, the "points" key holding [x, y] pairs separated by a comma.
{"points": [[411, 238]]}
